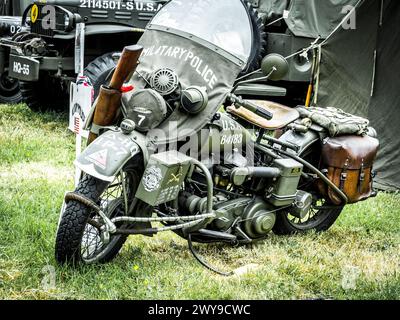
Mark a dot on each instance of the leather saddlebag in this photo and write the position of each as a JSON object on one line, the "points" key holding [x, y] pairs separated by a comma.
{"points": [[347, 162]]}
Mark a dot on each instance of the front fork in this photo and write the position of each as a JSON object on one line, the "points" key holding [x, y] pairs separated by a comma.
{"points": [[187, 224], [104, 160]]}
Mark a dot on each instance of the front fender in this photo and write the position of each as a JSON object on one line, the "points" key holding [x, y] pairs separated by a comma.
{"points": [[108, 154]]}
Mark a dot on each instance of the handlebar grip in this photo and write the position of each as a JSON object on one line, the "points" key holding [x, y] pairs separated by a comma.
{"points": [[238, 101], [264, 113], [257, 110]]}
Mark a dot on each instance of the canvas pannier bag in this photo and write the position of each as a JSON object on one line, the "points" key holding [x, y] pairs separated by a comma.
{"points": [[347, 161]]}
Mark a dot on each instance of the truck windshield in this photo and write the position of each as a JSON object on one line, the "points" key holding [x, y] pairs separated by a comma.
{"points": [[224, 23]]}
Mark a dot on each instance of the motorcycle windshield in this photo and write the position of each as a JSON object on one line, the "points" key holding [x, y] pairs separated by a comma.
{"points": [[223, 23], [199, 57]]}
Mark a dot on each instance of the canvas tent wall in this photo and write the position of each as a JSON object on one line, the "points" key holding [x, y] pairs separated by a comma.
{"points": [[360, 73], [359, 68]]}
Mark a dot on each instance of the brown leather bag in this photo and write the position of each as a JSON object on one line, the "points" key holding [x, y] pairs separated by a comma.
{"points": [[347, 162]]}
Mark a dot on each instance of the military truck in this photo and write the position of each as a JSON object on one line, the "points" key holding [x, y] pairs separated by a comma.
{"points": [[44, 59], [10, 24]]}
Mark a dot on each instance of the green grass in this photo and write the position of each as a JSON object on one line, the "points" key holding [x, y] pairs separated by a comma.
{"points": [[36, 155]]}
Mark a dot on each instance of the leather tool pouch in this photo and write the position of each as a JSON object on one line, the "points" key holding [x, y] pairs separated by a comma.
{"points": [[347, 162]]}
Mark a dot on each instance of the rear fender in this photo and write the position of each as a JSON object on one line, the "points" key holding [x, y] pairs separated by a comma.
{"points": [[109, 153], [302, 141]]}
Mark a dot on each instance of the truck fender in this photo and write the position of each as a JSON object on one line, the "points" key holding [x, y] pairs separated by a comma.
{"points": [[109, 153]]}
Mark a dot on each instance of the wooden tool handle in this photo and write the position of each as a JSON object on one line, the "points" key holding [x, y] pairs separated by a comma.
{"points": [[126, 65]]}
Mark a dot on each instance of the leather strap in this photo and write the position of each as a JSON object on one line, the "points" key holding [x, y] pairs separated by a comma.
{"points": [[95, 128], [343, 175], [361, 178]]}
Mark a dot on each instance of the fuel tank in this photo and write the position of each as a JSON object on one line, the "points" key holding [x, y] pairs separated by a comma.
{"points": [[225, 136]]}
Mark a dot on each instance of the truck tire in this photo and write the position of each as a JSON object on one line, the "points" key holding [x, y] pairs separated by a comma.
{"points": [[9, 89], [100, 70], [260, 40], [5, 8], [44, 95]]}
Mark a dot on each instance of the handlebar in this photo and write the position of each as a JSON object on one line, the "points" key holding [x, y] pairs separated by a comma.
{"points": [[239, 102]]}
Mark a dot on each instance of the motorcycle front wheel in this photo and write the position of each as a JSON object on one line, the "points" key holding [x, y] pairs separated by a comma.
{"points": [[77, 239]]}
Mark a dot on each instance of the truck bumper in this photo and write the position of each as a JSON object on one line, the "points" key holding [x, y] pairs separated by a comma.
{"points": [[28, 68]]}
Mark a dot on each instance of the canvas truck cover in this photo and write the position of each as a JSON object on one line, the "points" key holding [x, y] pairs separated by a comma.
{"points": [[316, 18], [272, 9]]}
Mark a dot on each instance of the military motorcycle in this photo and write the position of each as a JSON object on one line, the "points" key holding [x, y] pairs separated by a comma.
{"points": [[173, 147]]}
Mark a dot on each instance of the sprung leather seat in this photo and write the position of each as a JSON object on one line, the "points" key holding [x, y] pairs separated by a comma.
{"points": [[283, 115]]}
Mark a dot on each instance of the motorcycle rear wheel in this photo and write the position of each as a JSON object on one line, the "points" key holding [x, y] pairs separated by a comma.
{"points": [[79, 241], [317, 219], [321, 216]]}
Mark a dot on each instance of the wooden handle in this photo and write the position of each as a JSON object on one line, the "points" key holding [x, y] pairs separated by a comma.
{"points": [[126, 65], [109, 100]]}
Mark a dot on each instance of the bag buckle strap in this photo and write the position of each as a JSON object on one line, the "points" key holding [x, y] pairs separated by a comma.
{"points": [[343, 175], [361, 177]]}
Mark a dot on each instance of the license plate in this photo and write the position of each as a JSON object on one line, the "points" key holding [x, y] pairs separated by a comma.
{"points": [[24, 68]]}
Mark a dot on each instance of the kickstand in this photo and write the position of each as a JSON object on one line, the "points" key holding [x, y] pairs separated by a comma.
{"points": [[203, 262]]}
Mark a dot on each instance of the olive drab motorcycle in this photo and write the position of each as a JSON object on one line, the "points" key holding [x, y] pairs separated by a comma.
{"points": [[164, 156]]}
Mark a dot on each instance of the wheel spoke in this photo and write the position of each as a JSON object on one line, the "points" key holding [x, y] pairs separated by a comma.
{"points": [[110, 203], [311, 217]]}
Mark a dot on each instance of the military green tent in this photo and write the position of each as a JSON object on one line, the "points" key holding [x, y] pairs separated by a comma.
{"points": [[360, 73]]}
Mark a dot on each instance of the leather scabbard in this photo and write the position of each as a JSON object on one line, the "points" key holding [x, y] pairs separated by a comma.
{"points": [[107, 107]]}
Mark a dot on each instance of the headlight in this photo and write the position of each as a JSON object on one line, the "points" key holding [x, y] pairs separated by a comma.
{"points": [[194, 99], [147, 108], [67, 21]]}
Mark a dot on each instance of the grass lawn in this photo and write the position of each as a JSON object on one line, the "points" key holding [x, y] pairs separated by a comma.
{"points": [[359, 258]]}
